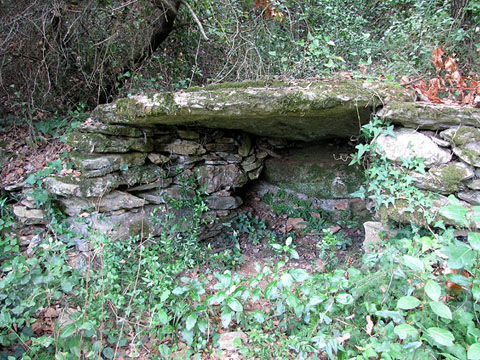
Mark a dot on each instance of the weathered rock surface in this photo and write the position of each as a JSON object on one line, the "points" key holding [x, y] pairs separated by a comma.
{"points": [[319, 171], [446, 179], [400, 212], [94, 165], [220, 177], [305, 111], [29, 216], [409, 144], [99, 143], [115, 200], [472, 197], [226, 341], [429, 116], [466, 143]]}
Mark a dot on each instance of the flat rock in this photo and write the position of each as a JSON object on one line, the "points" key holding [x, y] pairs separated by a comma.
{"points": [[466, 143], [100, 143], [117, 130], [375, 231], [470, 196], [420, 115], [115, 200], [29, 216], [223, 202], [409, 144], [218, 177], [301, 111], [226, 340], [446, 179], [94, 165]]}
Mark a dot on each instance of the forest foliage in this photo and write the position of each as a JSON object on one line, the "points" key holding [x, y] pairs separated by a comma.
{"points": [[59, 54]]}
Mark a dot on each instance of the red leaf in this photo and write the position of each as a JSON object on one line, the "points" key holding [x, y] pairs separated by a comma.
{"points": [[450, 64], [437, 58]]}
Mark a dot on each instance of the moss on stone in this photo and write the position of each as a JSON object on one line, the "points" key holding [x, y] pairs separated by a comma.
{"points": [[464, 135], [138, 227], [451, 178]]}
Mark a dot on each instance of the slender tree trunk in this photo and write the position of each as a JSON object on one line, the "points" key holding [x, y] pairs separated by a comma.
{"points": [[162, 30], [457, 12]]}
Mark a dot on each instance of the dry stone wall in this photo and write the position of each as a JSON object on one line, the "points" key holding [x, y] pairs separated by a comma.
{"points": [[448, 138], [127, 171], [134, 154]]}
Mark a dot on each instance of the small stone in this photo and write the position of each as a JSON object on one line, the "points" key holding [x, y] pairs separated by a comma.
{"points": [[29, 216], [225, 140], [250, 167], [226, 341], [184, 147], [245, 145], [158, 159], [374, 232], [466, 143], [223, 202], [255, 174], [220, 147], [446, 179], [295, 224], [188, 134], [474, 184], [95, 165], [231, 158], [472, 197]]}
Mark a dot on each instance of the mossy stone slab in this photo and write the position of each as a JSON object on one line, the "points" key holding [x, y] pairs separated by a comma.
{"points": [[429, 116], [100, 143], [446, 179], [304, 111], [94, 165], [319, 171], [466, 143], [116, 130]]}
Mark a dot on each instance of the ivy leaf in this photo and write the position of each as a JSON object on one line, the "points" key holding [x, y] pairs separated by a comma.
{"points": [[474, 240], [408, 302], [413, 263], [344, 298], [162, 316], [191, 321], [108, 352], [68, 331], [474, 352], [459, 255], [286, 280], [456, 213], [404, 330], [433, 290], [271, 291], [299, 275], [441, 336], [441, 309], [234, 304]]}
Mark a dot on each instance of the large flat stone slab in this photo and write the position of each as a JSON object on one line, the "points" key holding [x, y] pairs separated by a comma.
{"points": [[306, 111], [429, 116]]}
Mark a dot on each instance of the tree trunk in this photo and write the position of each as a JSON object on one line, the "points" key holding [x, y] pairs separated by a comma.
{"points": [[457, 10], [163, 29]]}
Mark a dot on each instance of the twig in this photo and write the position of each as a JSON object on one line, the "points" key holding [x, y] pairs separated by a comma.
{"points": [[195, 18], [414, 81]]}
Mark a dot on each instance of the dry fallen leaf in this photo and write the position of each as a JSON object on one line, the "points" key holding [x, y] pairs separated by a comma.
{"points": [[369, 325]]}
